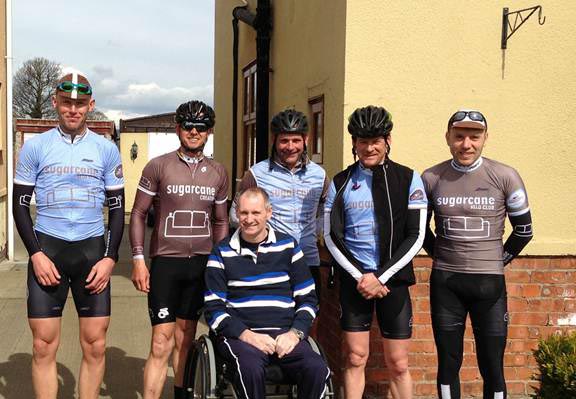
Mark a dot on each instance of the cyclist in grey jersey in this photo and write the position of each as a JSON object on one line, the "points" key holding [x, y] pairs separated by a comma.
{"points": [[470, 197]]}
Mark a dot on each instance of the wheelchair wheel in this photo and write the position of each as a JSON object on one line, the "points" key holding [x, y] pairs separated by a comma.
{"points": [[200, 371]]}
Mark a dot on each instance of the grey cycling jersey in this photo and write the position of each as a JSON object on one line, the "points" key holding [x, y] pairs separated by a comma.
{"points": [[470, 207]]}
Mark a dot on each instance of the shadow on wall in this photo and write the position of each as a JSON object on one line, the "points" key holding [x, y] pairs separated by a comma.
{"points": [[16, 377]]}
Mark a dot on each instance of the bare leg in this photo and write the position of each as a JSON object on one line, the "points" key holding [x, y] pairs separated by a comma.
{"points": [[157, 364], [93, 343], [184, 336], [357, 347], [46, 338], [396, 357]]}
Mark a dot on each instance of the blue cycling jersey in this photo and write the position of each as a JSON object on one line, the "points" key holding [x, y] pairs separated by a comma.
{"points": [[295, 198], [70, 180], [361, 232]]}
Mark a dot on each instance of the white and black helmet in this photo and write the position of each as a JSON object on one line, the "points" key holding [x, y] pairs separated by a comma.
{"points": [[197, 112]]}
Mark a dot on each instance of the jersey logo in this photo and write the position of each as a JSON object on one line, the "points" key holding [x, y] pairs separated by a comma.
{"points": [[203, 169], [86, 160], [118, 172], [145, 183], [516, 199], [466, 227], [185, 223], [417, 195], [163, 313]]}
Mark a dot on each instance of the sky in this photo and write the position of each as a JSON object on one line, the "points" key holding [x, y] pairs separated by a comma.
{"points": [[141, 57]]}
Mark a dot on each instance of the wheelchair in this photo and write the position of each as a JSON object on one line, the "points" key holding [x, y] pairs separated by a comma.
{"points": [[207, 376]]}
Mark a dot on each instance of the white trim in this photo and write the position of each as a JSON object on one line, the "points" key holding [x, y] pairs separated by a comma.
{"points": [[299, 255], [520, 212], [214, 325], [23, 183], [116, 187], [238, 367], [304, 291], [146, 191], [335, 252], [306, 309], [221, 201], [412, 252], [138, 257], [445, 392]]}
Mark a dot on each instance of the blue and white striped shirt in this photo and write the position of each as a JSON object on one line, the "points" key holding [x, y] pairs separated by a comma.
{"points": [[271, 289]]}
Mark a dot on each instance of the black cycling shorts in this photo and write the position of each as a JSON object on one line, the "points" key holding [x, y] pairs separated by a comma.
{"points": [[176, 288], [454, 295], [74, 260], [394, 311]]}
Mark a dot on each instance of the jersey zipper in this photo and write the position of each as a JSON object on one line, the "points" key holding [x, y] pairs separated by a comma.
{"points": [[193, 171], [390, 207]]}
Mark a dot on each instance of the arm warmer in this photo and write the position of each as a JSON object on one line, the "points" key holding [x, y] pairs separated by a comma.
{"points": [[521, 235], [408, 249], [21, 197], [115, 201], [142, 203]]}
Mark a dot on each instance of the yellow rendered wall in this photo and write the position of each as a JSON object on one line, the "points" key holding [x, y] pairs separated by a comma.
{"points": [[133, 169], [306, 60], [3, 133], [223, 71], [423, 61]]}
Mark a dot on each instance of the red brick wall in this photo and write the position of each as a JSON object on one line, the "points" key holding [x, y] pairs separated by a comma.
{"points": [[541, 301]]}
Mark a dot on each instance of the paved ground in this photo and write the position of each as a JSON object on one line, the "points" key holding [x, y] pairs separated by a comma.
{"points": [[128, 337]]}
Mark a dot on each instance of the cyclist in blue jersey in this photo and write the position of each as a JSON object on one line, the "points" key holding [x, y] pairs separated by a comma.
{"points": [[73, 173], [374, 224], [297, 186]]}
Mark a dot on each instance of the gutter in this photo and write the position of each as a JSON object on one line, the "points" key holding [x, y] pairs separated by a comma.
{"points": [[261, 22]]}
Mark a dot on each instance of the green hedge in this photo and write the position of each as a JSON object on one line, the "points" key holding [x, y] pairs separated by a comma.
{"points": [[556, 357]]}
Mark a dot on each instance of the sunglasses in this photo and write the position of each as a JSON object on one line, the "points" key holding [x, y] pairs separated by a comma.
{"points": [[189, 125], [68, 87], [472, 115]]}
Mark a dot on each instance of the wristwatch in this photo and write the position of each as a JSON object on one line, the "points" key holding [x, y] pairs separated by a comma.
{"points": [[299, 334]]}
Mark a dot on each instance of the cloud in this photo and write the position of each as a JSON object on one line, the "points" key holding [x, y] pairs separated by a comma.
{"points": [[146, 98]]}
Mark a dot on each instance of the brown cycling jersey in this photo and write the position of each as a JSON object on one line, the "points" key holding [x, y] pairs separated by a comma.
{"points": [[189, 198], [470, 206]]}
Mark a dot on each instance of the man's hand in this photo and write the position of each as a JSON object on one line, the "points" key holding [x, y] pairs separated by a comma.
{"points": [[285, 343], [264, 342], [370, 287], [44, 269], [140, 275], [99, 276]]}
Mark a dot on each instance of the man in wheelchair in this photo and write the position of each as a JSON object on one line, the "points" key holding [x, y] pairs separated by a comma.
{"points": [[260, 301]]}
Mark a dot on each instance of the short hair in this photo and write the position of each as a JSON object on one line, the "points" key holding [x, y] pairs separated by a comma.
{"points": [[252, 192]]}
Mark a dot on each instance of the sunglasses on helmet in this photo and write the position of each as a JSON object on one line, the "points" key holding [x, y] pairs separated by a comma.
{"points": [[472, 115], [189, 125], [68, 87]]}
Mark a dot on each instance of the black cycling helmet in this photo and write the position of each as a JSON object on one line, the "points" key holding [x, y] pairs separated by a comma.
{"points": [[197, 112], [370, 121], [289, 121]]}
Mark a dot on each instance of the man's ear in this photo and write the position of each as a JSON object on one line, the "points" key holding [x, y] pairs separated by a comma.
{"points": [[54, 103], [91, 105]]}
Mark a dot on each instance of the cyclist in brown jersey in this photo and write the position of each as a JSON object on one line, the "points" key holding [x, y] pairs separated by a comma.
{"points": [[470, 197], [188, 192]]}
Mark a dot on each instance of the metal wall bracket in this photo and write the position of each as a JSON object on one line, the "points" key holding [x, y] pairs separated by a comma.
{"points": [[519, 19]]}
